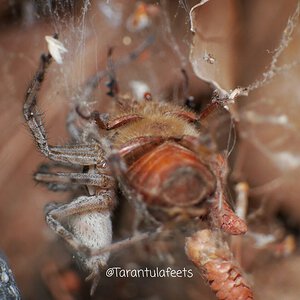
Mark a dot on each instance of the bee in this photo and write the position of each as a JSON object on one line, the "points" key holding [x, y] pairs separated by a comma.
{"points": [[151, 149]]}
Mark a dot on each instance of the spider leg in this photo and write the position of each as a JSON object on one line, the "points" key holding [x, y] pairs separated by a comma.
{"points": [[56, 186], [77, 148], [61, 187], [95, 276], [127, 242], [84, 204], [89, 228], [46, 167], [84, 154], [76, 154], [101, 180], [31, 113]]}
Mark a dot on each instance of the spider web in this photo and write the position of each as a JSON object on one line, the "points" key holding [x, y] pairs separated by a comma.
{"points": [[88, 29], [266, 116], [268, 150]]}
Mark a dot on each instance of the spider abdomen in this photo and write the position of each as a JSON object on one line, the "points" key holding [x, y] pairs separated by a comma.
{"points": [[171, 175], [94, 230]]}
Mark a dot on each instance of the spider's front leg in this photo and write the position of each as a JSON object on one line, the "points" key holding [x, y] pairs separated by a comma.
{"points": [[88, 226], [74, 154], [31, 114]]}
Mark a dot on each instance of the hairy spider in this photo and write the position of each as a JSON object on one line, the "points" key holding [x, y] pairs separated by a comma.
{"points": [[154, 152]]}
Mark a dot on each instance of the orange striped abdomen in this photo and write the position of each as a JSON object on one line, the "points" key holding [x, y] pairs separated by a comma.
{"points": [[171, 175]]}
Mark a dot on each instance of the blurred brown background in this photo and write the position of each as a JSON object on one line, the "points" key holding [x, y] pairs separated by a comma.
{"points": [[266, 155]]}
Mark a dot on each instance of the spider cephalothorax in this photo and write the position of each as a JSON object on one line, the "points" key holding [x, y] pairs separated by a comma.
{"points": [[151, 149]]}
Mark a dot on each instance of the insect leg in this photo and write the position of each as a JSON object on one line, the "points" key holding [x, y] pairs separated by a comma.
{"points": [[221, 213], [212, 256], [103, 121], [93, 82], [224, 217], [242, 190], [186, 115], [211, 108]]}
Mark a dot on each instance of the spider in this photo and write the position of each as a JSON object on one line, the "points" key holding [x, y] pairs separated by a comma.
{"points": [[153, 151]]}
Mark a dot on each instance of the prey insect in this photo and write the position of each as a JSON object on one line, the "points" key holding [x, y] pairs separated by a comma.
{"points": [[152, 150]]}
